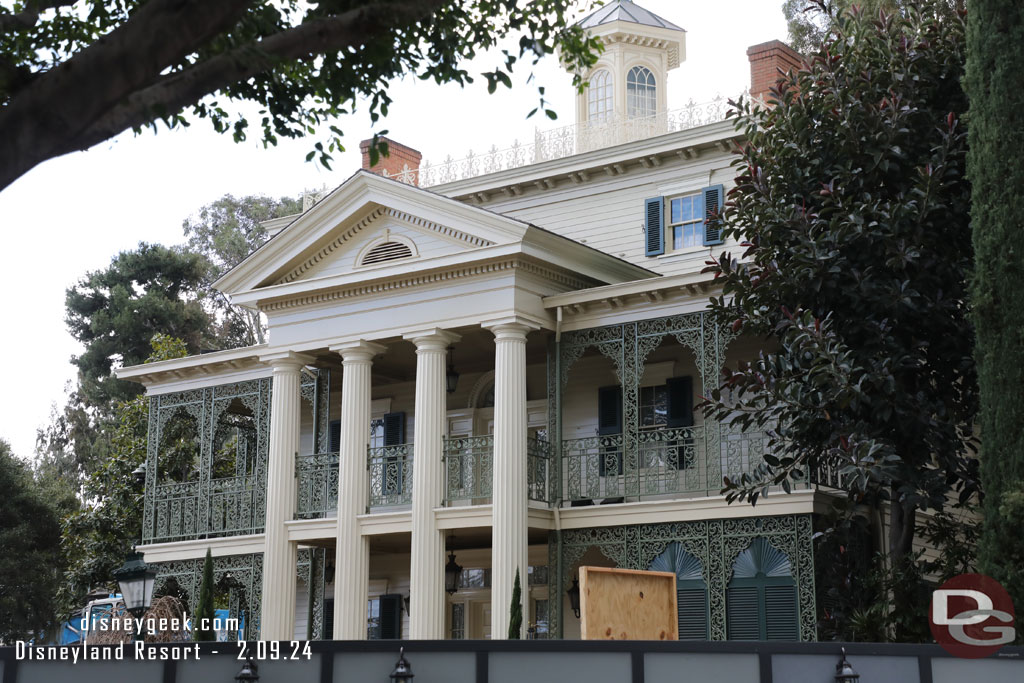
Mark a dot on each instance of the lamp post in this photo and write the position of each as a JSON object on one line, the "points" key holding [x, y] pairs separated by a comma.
{"points": [[574, 596], [403, 672], [844, 670], [136, 579]]}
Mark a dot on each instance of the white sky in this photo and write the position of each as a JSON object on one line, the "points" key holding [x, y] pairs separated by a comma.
{"points": [[73, 214]]}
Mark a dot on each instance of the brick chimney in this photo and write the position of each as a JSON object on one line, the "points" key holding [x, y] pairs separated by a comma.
{"points": [[766, 60], [400, 158]]}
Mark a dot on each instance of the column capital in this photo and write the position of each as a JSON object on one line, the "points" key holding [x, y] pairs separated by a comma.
{"points": [[432, 338], [512, 327], [358, 351], [287, 360]]}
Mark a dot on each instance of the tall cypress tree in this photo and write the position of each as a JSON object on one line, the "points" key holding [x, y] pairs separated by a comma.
{"points": [[995, 45], [515, 619], [204, 609]]}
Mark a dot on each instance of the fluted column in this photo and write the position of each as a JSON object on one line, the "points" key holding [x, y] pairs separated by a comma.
{"points": [[510, 494], [426, 569], [280, 557], [352, 560]]}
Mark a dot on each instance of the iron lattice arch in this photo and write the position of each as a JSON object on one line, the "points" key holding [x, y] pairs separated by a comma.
{"points": [[716, 544], [206, 459]]}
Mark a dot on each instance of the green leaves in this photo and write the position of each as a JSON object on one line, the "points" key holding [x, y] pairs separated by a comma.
{"points": [[853, 210]]}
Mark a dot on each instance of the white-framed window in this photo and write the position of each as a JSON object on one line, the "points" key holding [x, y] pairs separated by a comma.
{"points": [[641, 93], [599, 96], [686, 221]]}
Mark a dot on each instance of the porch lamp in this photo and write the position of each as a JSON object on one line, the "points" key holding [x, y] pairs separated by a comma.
{"points": [[452, 572], [403, 672], [574, 596], [451, 378], [136, 579], [844, 670]]}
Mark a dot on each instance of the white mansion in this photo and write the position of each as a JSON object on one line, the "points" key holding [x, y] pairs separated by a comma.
{"points": [[491, 363]]}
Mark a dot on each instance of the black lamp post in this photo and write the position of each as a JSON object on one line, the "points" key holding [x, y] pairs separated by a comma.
{"points": [[452, 572], [139, 474], [451, 378], [574, 596], [844, 670], [136, 579], [403, 672], [250, 671]]}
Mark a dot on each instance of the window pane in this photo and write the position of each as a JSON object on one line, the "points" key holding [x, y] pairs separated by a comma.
{"points": [[677, 237], [677, 211]]}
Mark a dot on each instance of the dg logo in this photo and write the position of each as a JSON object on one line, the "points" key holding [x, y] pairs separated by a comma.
{"points": [[972, 616]]}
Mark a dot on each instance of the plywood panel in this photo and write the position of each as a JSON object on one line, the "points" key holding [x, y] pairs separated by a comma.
{"points": [[627, 604]]}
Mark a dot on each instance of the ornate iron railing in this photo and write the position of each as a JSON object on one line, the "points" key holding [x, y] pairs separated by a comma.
{"points": [[565, 141], [316, 478], [390, 472], [538, 470], [175, 512], [233, 506], [666, 461], [469, 468]]}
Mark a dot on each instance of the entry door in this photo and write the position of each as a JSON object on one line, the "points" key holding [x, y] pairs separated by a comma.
{"points": [[480, 619]]}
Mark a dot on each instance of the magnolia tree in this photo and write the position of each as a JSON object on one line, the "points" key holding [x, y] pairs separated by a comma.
{"points": [[852, 209]]}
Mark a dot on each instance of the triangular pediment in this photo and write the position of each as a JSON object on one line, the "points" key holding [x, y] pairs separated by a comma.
{"points": [[366, 225], [384, 237]]}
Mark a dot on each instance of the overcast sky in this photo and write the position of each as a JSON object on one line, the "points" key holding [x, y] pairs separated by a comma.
{"points": [[73, 214]]}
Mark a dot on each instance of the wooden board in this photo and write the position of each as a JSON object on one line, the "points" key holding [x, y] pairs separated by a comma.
{"points": [[627, 604]]}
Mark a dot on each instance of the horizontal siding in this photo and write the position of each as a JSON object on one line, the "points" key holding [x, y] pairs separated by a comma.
{"points": [[607, 212]]}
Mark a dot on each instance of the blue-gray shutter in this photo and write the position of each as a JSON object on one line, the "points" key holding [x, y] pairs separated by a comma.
{"points": [[742, 613], [692, 604], [609, 422], [391, 616], [394, 429], [781, 621], [334, 439], [714, 200], [328, 633], [654, 226], [680, 414]]}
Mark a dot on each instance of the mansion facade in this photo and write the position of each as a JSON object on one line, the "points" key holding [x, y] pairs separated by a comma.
{"points": [[489, 366]]}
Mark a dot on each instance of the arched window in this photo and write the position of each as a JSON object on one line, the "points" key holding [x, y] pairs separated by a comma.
{"points": [[761, 600], [599, 96], [691, 592], [641, 98]]}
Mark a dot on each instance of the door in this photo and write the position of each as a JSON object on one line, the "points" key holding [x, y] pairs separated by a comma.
{"points": [[480, 619]]}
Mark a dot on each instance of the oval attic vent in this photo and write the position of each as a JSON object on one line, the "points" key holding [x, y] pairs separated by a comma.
{"points": [[386, 251]]}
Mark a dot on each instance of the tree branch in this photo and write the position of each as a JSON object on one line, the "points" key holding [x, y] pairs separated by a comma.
{"points": [[60, 104], [28, 17], [318, 36]]}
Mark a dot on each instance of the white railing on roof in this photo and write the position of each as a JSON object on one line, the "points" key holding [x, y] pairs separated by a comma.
{"points": [[564, 142]]}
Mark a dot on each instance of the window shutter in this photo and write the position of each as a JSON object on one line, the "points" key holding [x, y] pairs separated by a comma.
{"points": [[328, 633], [609, 422], [714, 199], [693, 613], [781, 622], [391, 616], [334, 439], [394, 429], [680, 402], [654, 226], [743, 618]]}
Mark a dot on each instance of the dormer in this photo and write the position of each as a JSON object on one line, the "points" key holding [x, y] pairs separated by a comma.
{"points": [[628, 82]]}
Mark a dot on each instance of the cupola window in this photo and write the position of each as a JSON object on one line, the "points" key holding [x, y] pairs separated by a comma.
{"points": [[599, 96], [641, 98]]}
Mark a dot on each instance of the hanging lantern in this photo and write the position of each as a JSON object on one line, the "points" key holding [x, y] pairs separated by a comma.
{"points": [[574, 596], [451, 378], [844, 670], [452, 574]]}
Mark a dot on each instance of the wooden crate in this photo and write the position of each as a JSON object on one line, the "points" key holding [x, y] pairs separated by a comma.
{"points": [[627, 604]]}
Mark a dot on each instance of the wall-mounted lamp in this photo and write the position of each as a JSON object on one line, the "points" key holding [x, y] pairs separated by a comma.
{"points": [[574, 596], [403, 672]]}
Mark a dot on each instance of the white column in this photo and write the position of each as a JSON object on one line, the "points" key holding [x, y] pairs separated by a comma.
{"points": [[280, 557], [352, 561], [510, 494], [426, 569]]}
